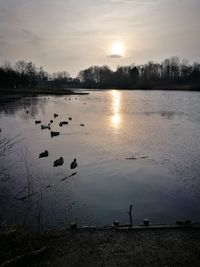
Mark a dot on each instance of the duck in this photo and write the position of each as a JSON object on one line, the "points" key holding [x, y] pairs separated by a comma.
{"points": [[54, 133], [63, 123], [55, 115], [37, 122], [44, 154], [43, 126], [74, 164], [58, 162]]}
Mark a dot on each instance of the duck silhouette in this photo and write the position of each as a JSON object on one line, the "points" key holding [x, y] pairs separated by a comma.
{"points": [[54, 133], [44, 154], [45, 126], [58, 162], [74, 164], [64, 122]]}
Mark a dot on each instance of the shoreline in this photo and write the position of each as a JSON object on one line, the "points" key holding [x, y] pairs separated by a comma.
{"points": [[78, 91], [9, 95], [111, 247], [37, 92]]}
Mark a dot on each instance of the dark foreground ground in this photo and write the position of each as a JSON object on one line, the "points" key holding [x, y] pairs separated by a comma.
{"points": [[157, 247]]}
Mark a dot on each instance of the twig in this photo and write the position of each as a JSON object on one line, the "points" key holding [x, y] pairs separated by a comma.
{"points": [[63, 179], [130, 215], [27, 196], [34, 253], [134, 158]]}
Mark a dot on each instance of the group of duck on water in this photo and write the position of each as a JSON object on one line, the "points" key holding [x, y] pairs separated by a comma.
{"points": [[48, 126], [59, 161]]}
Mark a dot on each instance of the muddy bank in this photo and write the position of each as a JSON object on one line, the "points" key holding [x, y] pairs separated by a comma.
{"points": [[8, 95], [152, 247], [11, 95]]}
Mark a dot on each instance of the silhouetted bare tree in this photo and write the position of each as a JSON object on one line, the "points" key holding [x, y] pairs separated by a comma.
{"points": [[171, 72]]}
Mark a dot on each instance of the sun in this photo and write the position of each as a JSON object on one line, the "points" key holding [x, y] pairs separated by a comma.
{"points": [[117, 49]]}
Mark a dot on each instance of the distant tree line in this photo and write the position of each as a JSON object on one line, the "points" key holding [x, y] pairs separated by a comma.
{"points": [[170, 72], [22, 75]]}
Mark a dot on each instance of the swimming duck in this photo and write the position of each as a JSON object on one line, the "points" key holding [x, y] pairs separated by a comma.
{"points": [[54, 134], [45, 126], [65, 122], [44, 154], [74, 164], [58, 162]]}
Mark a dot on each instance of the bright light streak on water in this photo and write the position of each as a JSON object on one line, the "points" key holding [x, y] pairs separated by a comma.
{"points": [[116, 104]]}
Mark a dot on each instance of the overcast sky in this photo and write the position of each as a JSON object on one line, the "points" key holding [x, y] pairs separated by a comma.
{"points": [[74, 34]]}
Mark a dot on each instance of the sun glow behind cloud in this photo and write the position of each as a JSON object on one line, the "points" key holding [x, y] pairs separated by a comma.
{"points": [[80, 39], [117, 50]]}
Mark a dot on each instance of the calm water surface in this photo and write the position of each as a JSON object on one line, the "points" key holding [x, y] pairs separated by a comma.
{"points": [[161, 130]]}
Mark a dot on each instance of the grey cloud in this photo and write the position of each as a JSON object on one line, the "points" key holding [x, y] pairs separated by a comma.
{"points": [[2, 36], [44, 54], [31, 37], [3, 40], [141, 2], [114, 56]]}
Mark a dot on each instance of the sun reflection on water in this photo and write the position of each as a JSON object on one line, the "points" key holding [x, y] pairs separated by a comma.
{"points": [[116, 102]]}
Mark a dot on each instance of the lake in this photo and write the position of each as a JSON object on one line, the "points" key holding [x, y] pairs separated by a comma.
{"points": [[136, 147]]}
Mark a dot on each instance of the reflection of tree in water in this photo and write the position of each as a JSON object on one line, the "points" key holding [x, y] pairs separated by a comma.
{"points": [[7, 183], [167, 114], [25, 108], [29, 199], [79, 213]]}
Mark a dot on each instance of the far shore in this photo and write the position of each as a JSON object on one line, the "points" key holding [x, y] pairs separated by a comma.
{"points": [[42, 91], [10, 95], [23, 92]]}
